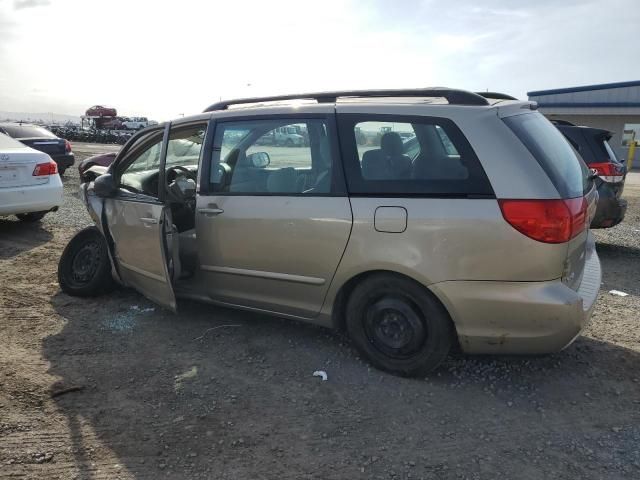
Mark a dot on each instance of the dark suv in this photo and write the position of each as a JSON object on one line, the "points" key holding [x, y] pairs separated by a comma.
{"points": [[609, 173]]}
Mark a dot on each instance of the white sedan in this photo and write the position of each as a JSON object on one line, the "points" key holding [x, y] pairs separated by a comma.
{"points": [[30, 186]]}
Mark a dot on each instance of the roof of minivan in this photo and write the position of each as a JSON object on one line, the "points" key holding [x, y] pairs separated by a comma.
{"points": [[452, 95], [504, 108]]}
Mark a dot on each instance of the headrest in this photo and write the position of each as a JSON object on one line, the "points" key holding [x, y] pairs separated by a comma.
{"points": [[391, 143]]}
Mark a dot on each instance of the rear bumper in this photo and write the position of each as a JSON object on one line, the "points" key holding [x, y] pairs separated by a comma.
{"points": [[37, 198], [610, 212], [611, 208], [521, 317], [64, 160]]}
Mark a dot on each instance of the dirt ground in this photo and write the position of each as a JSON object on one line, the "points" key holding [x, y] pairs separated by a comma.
{"points": [[115, 387]]}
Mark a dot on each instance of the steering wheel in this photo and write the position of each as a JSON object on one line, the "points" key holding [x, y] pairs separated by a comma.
{"points": [[176, 187], [172, 173]]}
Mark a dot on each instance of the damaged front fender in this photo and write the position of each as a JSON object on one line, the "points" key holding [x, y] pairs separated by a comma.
{"points": [[95, 208]]}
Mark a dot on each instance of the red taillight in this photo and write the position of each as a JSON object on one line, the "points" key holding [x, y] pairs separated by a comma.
{"points": [[608, 171], [548, 221], [67, 146], [43, 169]]}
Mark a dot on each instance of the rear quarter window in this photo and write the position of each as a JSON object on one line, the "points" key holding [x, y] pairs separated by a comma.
{"points": [[553, 152], [391, 155]]}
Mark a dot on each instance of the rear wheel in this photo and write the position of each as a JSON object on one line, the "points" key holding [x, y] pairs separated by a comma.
{"points": [[61, 170], [398, 325], [84, 269], [31, 217]]}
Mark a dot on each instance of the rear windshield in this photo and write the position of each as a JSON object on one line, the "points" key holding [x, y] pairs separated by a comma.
{"points": [[611, 154], [558, 159], [27, 131]]}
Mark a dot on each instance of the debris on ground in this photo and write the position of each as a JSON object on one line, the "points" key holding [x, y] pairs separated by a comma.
{"points": [[618, 293], [322, 374]]}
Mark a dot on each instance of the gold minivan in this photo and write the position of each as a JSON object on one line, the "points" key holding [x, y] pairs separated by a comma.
{"points": [[412, 219]]}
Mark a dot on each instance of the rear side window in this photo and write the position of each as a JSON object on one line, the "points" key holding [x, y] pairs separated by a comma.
{"points": [[553, 152], [278, 156], [404, 156]]}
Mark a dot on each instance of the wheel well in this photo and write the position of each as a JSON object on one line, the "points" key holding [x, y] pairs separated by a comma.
{"points": [[340, 302]]}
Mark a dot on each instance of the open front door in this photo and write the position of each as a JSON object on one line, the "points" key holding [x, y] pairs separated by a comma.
{"points": [[139, 221], [138, 231]]}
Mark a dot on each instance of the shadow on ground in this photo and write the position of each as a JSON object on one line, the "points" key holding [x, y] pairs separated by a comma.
{"points": [[17, 237], [215, 393]]}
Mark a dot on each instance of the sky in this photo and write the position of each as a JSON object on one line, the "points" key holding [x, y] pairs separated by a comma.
{"points": [[162, 59]]}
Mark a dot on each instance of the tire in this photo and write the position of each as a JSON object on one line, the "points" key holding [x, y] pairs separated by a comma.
{"points": [[289, 143], [398, 325], [61, 171], [31, 217], [84, 269]]}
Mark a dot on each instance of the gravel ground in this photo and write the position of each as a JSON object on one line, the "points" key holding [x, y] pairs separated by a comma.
{"points": [[115, 387], [73, 213]]}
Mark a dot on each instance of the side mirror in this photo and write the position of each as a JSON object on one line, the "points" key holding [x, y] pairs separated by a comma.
{"points": [[259, 159], [105, 186]]}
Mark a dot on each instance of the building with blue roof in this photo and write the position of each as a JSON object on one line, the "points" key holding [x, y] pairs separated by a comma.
{"points": [[611, 106]]}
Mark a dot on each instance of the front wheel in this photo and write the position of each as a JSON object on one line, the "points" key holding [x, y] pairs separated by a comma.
{"points": [[31, 217], [84, 269], [398, 325]]}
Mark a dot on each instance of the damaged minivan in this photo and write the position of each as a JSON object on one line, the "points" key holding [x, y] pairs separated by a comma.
{"points": [[414, 220]]}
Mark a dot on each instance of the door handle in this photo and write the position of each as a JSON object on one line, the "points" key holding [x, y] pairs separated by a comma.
{"points": [[210, 211], [149, 221]]}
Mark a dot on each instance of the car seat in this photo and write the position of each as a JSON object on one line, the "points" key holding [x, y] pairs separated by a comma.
{"points": [[387, 162]]}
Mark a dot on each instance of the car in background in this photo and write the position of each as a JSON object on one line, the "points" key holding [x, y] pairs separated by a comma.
{"points": [[41, 139], [100, 111], [30, 186], [102, 160], [609, 173], [288, 136], [135, 123]]}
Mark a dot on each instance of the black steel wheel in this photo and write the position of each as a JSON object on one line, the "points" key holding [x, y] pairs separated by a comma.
{"points": [[398, 325], [394, 326], [84, 269]]}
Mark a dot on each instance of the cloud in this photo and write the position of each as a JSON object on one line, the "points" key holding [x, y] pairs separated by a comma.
{"points": [[501, 45], [21, 4]]}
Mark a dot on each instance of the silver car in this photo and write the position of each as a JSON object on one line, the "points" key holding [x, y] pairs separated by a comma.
{"points": [[413, 219]]}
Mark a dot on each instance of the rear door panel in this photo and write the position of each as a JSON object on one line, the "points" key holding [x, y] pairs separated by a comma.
{"points": [[275, 253]]}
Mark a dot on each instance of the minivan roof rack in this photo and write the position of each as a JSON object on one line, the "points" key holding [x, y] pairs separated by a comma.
{"points": [[453, 96], [496, 96]]}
